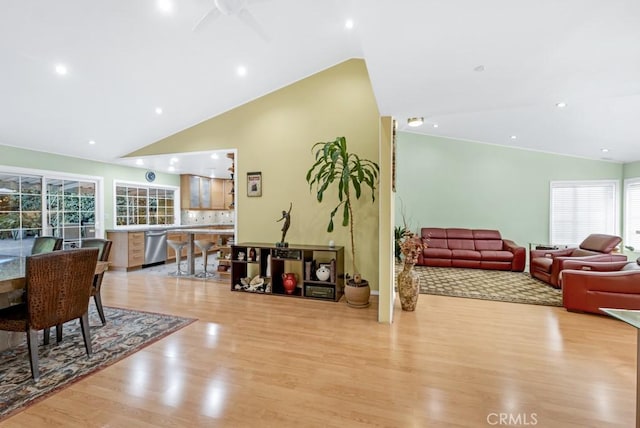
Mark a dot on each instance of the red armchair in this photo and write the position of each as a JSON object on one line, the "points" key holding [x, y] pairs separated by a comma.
{"points": [[588, 286], [546, 265]]}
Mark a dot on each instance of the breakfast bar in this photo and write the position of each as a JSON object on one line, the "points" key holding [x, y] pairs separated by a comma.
{"points": [[190, 242]]}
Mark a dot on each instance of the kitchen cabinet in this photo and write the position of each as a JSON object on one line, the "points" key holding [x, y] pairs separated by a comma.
{"points": [[204, 193], [127, 250]]}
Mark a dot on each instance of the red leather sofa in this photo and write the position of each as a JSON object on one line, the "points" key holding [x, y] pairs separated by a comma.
{"points": [[470, 248], [587, 286], [546, 265]]}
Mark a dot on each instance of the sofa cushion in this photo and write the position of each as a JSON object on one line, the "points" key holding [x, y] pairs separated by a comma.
{"points": [[436, 253], [486, 234], [436, 243], [496, 256], [600, 242], [466, 254], [579, 252], [488, 244], [460, 234], [434, 237], [433, 232], [542, 264]]}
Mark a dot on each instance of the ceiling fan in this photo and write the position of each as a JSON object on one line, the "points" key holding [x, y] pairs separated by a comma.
{"points": [[237, 8]]}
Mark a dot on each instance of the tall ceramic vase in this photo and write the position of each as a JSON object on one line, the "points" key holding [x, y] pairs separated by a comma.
{"points": [[408, 287]]}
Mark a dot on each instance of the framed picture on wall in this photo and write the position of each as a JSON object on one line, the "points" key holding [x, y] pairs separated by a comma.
{"points": [[254, 183]]}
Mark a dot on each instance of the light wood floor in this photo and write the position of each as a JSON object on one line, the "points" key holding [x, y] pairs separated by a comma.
{"points": [[267, 361]]}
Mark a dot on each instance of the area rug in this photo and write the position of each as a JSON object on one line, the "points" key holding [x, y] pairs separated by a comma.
{"points": [[516, 287], [63, 363]]}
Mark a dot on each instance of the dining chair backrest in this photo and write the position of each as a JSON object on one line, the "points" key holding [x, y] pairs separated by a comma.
{"points": [[46, 244], [58, 286], [103, 246]]}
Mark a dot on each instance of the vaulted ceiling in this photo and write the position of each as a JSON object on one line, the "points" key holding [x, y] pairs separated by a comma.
{"points": [[491, 71]]}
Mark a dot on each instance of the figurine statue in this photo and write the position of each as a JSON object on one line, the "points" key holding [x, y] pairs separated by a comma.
{"points": [[286, 216]]}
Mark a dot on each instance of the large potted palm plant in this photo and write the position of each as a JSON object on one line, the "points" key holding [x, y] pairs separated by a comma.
{"points": [[335, 167]]}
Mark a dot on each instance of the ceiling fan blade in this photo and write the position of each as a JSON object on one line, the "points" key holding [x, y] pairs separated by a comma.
{"points": [[210, 16], [247, 19]]}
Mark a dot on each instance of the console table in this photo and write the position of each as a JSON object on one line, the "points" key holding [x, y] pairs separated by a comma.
{"points": [[631, 317], [269, 263]]}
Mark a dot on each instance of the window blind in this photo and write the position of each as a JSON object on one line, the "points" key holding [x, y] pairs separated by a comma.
{"points": [[580, 208]]}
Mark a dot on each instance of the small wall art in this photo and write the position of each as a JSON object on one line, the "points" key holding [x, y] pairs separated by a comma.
{"points": [[254, 183]]}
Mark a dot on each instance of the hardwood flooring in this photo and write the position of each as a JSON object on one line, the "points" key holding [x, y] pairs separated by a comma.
{"points": [[267, 361]]}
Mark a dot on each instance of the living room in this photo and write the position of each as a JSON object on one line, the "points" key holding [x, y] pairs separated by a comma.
{"points": [[254, 360]]}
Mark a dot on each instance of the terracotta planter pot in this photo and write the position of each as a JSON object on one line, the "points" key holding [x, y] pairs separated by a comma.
{"points": [[357, 296]]}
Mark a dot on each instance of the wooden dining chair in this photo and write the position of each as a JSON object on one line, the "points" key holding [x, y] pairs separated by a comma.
{"points": [[104, 248], [45, 244], [58, 289]]}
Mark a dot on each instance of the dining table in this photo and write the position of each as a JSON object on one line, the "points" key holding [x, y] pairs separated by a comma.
{"points": [[191, 232], [12, 273]]}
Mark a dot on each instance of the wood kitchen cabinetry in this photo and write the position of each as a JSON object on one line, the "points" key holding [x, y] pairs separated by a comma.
{"points": [[127, 250], [204, 193]]}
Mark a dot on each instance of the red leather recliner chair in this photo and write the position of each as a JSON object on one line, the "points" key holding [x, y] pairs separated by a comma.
{"points": [[587, 286], [546, 265]]}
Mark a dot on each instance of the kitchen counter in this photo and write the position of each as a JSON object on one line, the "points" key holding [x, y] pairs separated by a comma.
{"points": [[183, 226]]}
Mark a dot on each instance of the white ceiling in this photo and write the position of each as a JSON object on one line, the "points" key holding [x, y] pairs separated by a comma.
{"points": [[125, 58]]}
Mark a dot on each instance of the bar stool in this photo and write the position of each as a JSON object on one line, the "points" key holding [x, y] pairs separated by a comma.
{"points": [[177, 247], [204, 245]]}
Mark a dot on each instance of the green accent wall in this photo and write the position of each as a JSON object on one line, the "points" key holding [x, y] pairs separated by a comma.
{"points": [[632, 170], [443, 182], [22, 158]]}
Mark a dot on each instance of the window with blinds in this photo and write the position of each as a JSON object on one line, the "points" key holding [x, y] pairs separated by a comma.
{"points": [[580, 208], [632, 213]]}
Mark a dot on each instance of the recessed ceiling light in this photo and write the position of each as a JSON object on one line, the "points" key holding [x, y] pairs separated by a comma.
{"points": [[214, 156], [165, 6], [513, 137], [158, 110], [349, 24], [172, 168], [61, 69], [212, 175], [561, 104], [174, 160], [415, 121], [604, 150], [479, 68], [92, 142], [435, 125], [139, 162], [242, 70]]}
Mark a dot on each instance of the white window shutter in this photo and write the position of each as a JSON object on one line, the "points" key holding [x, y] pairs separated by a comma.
{"points": [[580, 208]]}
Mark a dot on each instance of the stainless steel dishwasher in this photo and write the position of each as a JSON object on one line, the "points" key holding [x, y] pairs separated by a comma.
{"points": [[155, 247]]}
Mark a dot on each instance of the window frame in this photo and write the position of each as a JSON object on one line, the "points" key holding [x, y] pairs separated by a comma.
{"points": [[47, 175], [147, 186], [631, 234], [585, 183]]}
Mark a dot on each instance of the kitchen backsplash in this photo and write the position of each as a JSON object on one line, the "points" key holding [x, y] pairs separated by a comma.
{"points": [[207, 217]]}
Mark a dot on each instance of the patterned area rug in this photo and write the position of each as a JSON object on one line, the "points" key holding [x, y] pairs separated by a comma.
{"points": [[62, 364], [516, 287]]}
